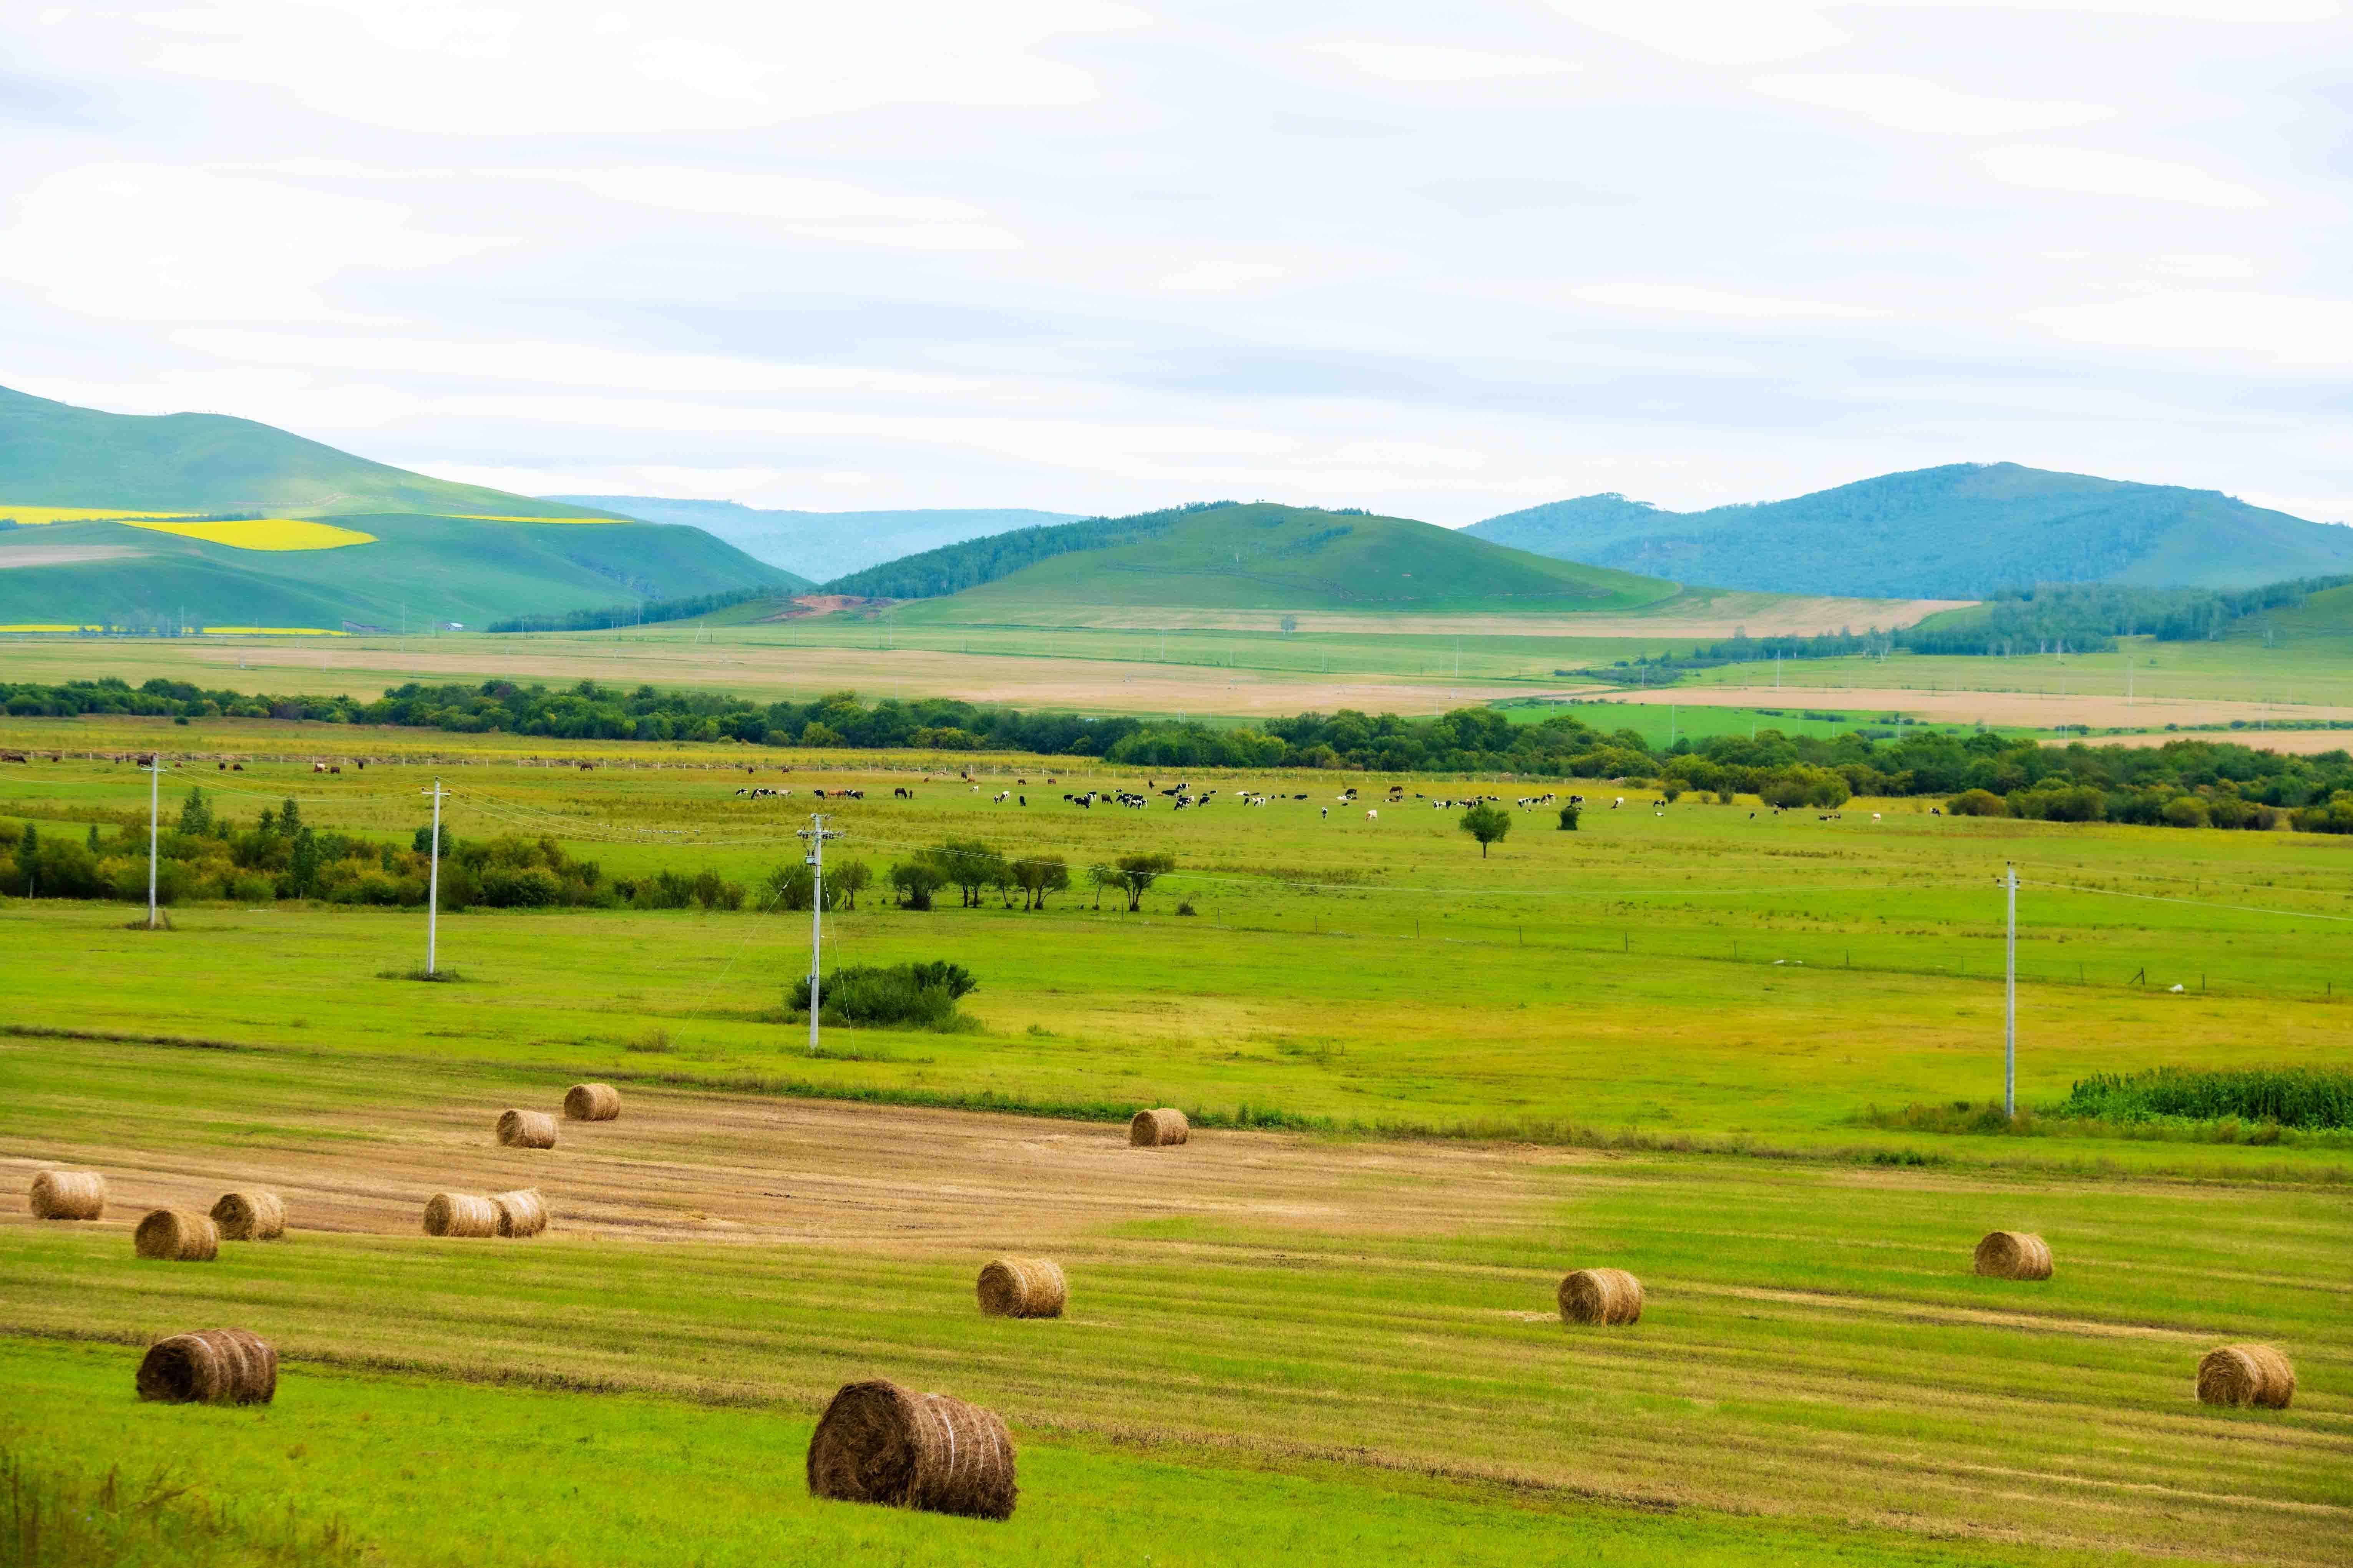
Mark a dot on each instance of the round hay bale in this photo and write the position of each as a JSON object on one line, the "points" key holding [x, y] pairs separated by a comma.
{"points": [[211, 1366], [2014, 1255], [1158, 1129], [877, 1442], [527, 1129], [522, 1213], [249, 1216], [461, 1214], [1023, 1287], [2246, 1375], [69, 1195], [178, 1236], [1601, 1296], [591, 1102]]}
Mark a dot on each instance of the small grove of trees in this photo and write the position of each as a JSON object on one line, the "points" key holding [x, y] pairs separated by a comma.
{"points": [[1486, 823], [204, 854], [974, 869]]}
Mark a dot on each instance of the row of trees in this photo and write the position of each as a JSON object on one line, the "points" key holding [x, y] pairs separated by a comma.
{"points": [[2050, 618], [974, 870]]}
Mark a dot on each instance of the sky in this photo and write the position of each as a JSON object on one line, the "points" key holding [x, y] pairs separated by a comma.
{"points": [[1441, 262]]}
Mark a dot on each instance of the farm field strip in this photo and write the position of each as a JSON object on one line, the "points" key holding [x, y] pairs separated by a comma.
{"points": [[351, 1466], [1280, 1298], [1241, 673]]}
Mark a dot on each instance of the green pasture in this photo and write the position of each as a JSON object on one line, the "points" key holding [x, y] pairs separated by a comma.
{"points": [[1813, 1349], [1694, 971], [2289, 672], [352, 1467]]}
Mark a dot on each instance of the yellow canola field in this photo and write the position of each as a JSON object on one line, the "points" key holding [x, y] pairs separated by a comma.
{"points": [[36, 516], [263, 534]]}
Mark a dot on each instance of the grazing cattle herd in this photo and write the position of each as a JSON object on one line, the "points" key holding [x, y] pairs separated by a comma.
{"points": [[1185, 797]]}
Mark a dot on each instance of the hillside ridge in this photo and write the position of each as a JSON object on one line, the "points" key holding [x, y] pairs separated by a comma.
{"points": [[1960, 531]]}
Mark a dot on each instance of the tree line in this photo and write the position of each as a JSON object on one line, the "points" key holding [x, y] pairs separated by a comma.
{"points": [[2136, 783], [2051, 617]]}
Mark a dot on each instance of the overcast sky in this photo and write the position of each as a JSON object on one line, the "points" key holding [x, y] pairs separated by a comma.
{"points": [[1438, 260]]}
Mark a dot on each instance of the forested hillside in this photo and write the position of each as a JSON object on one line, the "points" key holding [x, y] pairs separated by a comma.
{"points": [[1966, 531]]}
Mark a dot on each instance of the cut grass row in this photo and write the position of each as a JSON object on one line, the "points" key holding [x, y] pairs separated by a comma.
{"points": [[1814, 1346], [363, 1467]]}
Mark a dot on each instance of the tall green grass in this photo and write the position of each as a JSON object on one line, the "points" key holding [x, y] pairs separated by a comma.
{"points": [[2291, 1097]]}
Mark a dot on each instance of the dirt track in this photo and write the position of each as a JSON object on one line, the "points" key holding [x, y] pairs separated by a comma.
{"points": [[706, 1167]]}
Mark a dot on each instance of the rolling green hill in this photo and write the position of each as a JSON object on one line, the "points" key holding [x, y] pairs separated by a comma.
{"points": [[434, 550], [417, 569], [1256, 557], [54, 454], [1961, 532]]}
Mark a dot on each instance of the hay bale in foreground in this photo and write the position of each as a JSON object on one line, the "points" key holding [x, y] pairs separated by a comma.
{"points": [[877, 1442], [1158, 1129], [2014, 1255], [591, 1102], [522, 1213], [1601, 1296], [2246, 1375], [69, 1195], [178, 1236], [249, 1216], [527, 1129], [1023, 1287], [461, 1214], [211, 1366]]}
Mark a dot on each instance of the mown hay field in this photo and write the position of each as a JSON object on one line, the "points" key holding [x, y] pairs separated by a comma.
{"points": [[1815, 1353]]}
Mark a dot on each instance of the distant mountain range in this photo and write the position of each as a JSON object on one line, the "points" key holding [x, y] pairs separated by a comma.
{"points": [[1960, 532], [1262, 557], [823, 544], [367, 544]]}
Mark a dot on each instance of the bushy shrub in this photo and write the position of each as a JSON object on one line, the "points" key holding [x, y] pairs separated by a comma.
{"points": [[905, 995], [1977, 802]]}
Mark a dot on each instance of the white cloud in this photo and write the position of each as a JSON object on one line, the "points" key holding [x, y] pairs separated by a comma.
{"points": [[1397, 60], [1652, 297], [1916, 103], [2291, 331], [2088, 170], [156, 243], [1090, 255], [1713, 32]]}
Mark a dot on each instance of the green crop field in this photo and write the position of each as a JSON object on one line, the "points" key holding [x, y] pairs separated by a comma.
{"points": [[1706, 1043]]}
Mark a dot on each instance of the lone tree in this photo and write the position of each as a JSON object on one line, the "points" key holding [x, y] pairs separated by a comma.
{"points": [[1136, 873], [1038, 875], [1486, 824], [1568, 813], [916, 881]]}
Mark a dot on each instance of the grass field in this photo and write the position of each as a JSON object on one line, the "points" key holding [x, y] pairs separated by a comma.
{"points": [[1426, 1084], [1814, 1348]]}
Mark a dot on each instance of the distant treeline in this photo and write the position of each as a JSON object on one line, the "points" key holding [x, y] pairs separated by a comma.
{"points": [[2055, 617], [645, 613], [2185, 782], [952, 568]]}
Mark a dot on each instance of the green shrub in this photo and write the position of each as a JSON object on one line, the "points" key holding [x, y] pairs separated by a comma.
{"points": [[1977, 802], [917, 996]]}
